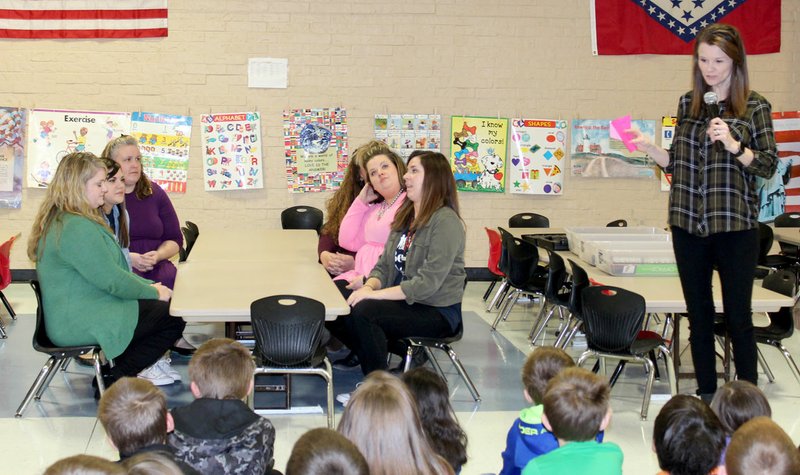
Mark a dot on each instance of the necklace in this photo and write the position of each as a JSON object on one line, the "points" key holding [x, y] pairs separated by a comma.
{"points": [[385, 207]]}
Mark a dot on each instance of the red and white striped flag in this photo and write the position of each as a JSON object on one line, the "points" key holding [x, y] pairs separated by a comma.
{"points": [[787, 137], [75, 19]]}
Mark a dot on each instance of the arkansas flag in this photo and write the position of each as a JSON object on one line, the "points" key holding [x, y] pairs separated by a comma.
{"points": [[74, 19], [670, 26]]}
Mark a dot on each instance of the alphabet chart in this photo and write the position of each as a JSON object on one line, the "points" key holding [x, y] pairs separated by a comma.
{"points": [[52, 134], [164, 144], [232, 151], [405, 133]]}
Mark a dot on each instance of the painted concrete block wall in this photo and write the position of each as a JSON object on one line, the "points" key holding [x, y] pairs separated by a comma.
{"points": [[468, 57]]}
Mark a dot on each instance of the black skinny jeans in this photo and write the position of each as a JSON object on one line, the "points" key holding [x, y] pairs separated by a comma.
{"points": [[735, 255], [155, 332]]}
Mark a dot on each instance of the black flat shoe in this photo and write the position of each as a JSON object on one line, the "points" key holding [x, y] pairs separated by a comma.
{"points": [[182, 351], [348, 363]]}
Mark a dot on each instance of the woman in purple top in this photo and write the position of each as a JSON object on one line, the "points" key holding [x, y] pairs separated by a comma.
{"points": [[155, 233]]}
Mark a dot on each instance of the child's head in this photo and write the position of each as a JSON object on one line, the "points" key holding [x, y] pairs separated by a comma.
{"points": [[760, 446], [446, 436], [152, 463], [541, 366], [221, 369], [134, 414], [85, 465], [576, 405], [737, 402], [323, 452], [687, 436]]}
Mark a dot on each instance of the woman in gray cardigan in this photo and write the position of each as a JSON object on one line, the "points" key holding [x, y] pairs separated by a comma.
{"points": [[417, 285]]}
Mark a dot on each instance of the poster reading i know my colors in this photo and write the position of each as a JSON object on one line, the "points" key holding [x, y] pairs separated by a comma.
{"points": [[231, 151], [478, 154], [164, 144], [52, 134], [315, 142], [538, 148]]}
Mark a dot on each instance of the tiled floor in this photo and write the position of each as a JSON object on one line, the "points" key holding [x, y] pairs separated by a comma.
{"points": [[63, 422]]}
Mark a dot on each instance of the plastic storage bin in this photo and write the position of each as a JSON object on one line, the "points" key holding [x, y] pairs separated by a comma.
{"points": [[577, 236], [638, 262], [655, 242]]}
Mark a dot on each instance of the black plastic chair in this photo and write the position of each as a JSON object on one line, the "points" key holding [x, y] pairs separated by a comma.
{"points": [[789, 220], [580, 281], [781, 325], [302, 217], [528, 220], [556, 294], [193, 227], [524, 275], [190, 235], [619, 223], [442, 344], [59, 356], [769, 262], [612, 318], [288, 332]]}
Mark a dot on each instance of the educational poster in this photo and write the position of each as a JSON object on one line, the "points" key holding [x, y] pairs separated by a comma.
{"points": [[52, 134], [232, 151], [405, 133], [12, 155], [596, 154], [478, 155], [537, 152], [315, 142], [164, 143], [667, 134]]}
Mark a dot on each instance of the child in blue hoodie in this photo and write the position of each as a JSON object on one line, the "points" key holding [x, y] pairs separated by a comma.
{"points": [[528, 438]]}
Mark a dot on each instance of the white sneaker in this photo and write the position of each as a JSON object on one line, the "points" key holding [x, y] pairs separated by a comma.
{"points": [[155, 375], [164, 364], [343, 398]]}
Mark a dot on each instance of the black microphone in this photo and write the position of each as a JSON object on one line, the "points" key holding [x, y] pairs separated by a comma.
{"points": [[712, 106]]}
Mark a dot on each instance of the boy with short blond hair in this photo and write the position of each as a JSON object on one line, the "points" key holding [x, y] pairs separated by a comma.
{"points": [[218, 432], [576, 409], [528, 438], [134, 414]]}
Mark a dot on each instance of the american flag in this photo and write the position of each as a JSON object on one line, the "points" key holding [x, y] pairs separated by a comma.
{"points": [[76, 19], [787, 136]]}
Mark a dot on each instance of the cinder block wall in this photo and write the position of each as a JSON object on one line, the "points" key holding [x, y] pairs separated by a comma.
{"points": [[468, 57]]}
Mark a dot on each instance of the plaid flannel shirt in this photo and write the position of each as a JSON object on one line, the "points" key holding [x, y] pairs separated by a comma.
{"points": [[713, 192]]}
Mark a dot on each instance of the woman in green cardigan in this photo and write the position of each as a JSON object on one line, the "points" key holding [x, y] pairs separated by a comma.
{"points": [[89, 294]]}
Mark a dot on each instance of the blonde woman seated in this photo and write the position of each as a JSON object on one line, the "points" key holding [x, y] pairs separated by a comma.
{"points": [[89, 295]]}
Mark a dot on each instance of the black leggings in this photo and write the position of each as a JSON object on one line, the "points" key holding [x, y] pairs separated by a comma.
{"points": [[155, 332], [734, 254]]}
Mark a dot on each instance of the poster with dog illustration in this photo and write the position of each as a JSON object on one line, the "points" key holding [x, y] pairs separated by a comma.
{"points": [[538, 149], [478, 154]]}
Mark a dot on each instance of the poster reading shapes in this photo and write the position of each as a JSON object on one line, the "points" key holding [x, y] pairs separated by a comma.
{"points": [[537, 152], [52, 134], [596, 153], [667, 135], [232, 151], [405, 133], [164, 144], [315, 142], [12, 153], [478, 155]]}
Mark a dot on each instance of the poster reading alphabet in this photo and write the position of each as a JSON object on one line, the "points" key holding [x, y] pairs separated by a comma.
{"points": [[52, 134], [164, 143], [478, 154], [232, 151], [538, 148], [595, 153], [315, 143], [12, 153], [405, 133]]}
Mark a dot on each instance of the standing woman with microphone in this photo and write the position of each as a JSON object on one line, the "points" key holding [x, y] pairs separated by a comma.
{"points": [[717, 153]]}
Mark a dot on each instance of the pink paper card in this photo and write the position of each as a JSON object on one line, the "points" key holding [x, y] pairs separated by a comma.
{"points": [[617, 131]]}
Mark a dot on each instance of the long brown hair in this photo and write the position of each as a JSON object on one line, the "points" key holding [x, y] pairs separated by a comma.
{"points": [[124, 237], [438, 190], [340, 202], [66, 194], [144, 187], [400, 446], [726, 38]]}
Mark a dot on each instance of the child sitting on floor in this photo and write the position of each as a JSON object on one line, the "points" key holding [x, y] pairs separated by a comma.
{"points": [[687, 437], [575, 410], [760, 446], [218, 432]]}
